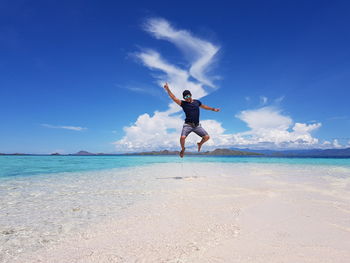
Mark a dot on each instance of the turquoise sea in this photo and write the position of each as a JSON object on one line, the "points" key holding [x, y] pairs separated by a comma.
{"points": [[18, 166]]}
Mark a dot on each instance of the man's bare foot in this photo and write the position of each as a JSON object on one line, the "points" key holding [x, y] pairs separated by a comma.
{"points": [[182, 153], [199, 146]]}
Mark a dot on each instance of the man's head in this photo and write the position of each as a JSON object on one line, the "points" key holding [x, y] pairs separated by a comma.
{"points": [[187, 95]]}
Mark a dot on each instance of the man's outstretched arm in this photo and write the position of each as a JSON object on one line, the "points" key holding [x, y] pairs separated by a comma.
{"points": [[209, 108], [171, 95]]}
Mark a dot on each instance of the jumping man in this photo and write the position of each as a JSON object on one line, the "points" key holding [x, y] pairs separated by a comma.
{"points": [[191, 109]]}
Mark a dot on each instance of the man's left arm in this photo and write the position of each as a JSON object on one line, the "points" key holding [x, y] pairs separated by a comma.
{"points": [[209, 108]]}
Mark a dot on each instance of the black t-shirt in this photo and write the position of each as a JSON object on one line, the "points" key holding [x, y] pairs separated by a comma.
{"points": [[191, 110]]}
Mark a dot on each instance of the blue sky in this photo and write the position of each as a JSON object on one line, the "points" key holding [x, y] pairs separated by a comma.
{"points": [[86, 74]]}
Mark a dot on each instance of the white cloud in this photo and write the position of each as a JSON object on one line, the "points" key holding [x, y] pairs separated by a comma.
{"points": [[177, 78], [336, 144], [268, 126], [265, 118], [162, 131], [73, 128], [151, 133], [199, 52], [333, 144]]}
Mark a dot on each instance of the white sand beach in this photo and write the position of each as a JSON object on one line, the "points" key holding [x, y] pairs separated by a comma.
{"points": [[212, 212]]}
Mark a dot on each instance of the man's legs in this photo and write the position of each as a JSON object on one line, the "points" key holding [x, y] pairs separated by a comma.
{"points": [[182, 142], [204, 139], [202, 133], [186, 130]]}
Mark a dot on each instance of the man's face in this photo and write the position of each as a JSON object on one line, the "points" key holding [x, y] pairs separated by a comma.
{"points": [[188, 98]]}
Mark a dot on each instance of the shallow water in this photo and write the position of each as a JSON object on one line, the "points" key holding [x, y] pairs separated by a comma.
{"points": [[40, 211], [44, 199], [17, 166]]}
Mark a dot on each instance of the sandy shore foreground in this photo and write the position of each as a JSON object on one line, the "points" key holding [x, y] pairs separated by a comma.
{"points": [[223, 213]]}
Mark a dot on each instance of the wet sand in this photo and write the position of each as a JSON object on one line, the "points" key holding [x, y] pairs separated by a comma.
{"points": [[213, 212]]}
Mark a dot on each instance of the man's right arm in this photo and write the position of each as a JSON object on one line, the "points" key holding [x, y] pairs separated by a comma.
{"points": [[171, 95]]}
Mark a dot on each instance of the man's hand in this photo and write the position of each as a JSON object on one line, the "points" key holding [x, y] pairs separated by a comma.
{"points": [[166, 87], [209, 108], [172, 96]]}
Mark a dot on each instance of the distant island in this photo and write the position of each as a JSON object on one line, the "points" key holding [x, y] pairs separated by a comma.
{"points": [[220, 152], [316, 153], [217, 152]]}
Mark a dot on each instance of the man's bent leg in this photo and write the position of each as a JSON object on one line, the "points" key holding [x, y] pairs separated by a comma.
{"points": [[202, 133], [186, 130], [204, 139], [182, 142]]}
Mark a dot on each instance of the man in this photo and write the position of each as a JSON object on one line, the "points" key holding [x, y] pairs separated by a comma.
{"points": [[191, 109]]}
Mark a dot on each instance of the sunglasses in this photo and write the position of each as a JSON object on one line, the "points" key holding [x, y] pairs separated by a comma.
{"points": [[187, 97]]}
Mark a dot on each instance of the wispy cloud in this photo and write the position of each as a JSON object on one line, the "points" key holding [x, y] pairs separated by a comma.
{"points": [[177, 78], [263, 100], [200, 53], [279, 99], [142, 89], [73, 128], [152, 92]]}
